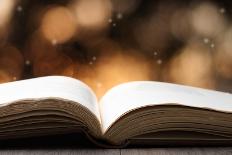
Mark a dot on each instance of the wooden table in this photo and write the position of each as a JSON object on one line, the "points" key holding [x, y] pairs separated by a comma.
{"points": [[70, 144], [153, 151]]}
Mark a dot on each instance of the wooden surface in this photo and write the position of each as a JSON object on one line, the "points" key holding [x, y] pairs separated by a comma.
{"points": [[153, 151], [78, 145]]}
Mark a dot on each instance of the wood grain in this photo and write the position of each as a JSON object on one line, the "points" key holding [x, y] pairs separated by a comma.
{"points": [[79, 145], [61, 151], [153, 151], [178, 151]]}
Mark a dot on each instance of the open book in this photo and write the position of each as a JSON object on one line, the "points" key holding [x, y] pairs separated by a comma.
{"points": [[142, 111]]}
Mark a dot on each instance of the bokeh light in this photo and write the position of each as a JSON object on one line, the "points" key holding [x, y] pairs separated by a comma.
{"points": [[192, 66], [6, 8], [108, 42], [223, 55], [11, 64], [92, 14], [58, 24], [115, 67], [207, 20]]}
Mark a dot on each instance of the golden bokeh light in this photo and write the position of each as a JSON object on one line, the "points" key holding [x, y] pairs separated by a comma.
{"points": [[223, 55], [5, 76], [114, 68], [6, 7], [193, 66], [6, 11], [92, 14], [207, 20], [58, 24], [108, 42], [11, 64]]}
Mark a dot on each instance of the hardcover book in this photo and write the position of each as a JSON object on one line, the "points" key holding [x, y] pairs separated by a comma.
{"points": [[140, 112]]}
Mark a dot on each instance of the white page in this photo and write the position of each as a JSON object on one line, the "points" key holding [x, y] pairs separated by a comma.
{"points": [[50, 87], [126, 97]]}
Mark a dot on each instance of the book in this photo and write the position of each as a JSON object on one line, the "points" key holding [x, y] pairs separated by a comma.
{"points": [[140, 112]]}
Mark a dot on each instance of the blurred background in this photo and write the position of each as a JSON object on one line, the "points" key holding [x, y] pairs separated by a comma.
{"points": [[108, 42]]}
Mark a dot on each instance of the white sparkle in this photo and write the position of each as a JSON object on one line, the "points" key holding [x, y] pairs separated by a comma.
{"points": [[114, 24], [99, 84], [222, 10], [19, 8], [54, 42], [90, 63], [206, 40], [159, 62], [94, 58], [110, 20], [155, 53], [212, 45], [27, 62], [119, 15]]}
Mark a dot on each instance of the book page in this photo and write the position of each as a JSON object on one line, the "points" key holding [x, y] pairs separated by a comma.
{"points": [[50, 87], [126, 97]]}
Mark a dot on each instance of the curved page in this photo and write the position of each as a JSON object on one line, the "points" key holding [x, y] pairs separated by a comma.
{"points": [[49, 87], [126, 97]]}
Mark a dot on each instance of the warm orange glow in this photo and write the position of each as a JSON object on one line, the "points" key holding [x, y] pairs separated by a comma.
{"points": [[53, 65], [37, 47], [193, 66], [92, 14], [223, 55], [11, 64], [58, 25], [207, 20], [108, 42], [6, 11], [6, 7], [5, 76], [46, 59], [112, 69]]}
